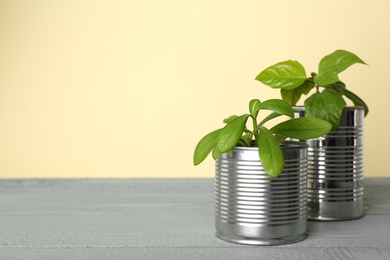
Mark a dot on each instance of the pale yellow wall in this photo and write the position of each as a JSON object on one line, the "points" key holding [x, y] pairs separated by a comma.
{"points": [[126, 88]]}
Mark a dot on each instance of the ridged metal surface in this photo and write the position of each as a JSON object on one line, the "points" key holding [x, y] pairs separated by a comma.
{"points": [[335, 170], [251, 207]]}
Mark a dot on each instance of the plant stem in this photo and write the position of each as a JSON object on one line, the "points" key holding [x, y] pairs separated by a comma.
{"points": [[255, 129]]}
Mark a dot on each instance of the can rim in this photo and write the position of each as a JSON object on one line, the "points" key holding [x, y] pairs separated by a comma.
{"points": [[302, 108], [284, 145]]}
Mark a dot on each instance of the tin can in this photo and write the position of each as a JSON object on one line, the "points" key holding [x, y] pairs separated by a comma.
{"points": [[335, 169], [254, 209]]}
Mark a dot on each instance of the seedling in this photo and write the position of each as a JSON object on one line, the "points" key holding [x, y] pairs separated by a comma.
{"points": [[236, 133], [328, 101]]}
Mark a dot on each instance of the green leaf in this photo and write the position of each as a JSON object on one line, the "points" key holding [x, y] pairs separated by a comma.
{"points": [[231, 133], [327, 105], [280, 138], [292, 96], [269, 117], [302, 128], [333, 64], [270, 153], [246, 139], [357, 101], [216, 152], [278, 106], [254, 106], [229, 119], [338, 84], [286, 75], [205, 145]]}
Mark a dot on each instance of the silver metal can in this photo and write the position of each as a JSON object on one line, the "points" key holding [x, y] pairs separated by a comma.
{"points": [[252, 208], [335, 170]]}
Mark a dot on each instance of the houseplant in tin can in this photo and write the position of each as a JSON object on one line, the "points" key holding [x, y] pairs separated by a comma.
{"points": [[335, 160], [260, 181]]}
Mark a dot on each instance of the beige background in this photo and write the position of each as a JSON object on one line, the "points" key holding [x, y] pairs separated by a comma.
{"points": [[126, 88]]}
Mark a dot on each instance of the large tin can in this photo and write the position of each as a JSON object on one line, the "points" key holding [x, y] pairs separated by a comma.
{"points": [[335, 169], [252, 208]]}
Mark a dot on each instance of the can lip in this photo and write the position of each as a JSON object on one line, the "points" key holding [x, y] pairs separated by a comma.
{"points": [[302, 108], [284, 145]]}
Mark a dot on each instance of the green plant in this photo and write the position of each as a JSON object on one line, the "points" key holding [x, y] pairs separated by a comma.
{"points": [[328, 104], [267, 140]]}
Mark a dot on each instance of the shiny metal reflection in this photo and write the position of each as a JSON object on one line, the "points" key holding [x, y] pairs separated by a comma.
{"points": [[252, 208], [335, 169]]}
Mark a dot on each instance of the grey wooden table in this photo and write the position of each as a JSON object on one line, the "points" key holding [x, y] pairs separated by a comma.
{"points": [[162, 219]]}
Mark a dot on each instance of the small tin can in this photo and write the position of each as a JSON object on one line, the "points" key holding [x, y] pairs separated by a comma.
{"points": [[335, 169], [254, 209]]}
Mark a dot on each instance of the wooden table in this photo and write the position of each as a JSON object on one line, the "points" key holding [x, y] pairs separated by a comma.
{"points": [[162, 219]]}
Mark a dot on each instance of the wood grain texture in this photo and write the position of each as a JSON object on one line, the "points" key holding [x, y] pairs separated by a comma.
{"points": [[162, 219]]}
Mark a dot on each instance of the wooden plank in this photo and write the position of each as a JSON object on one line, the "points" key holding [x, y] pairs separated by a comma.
{"points": [[161, 219], [195, 253]]}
